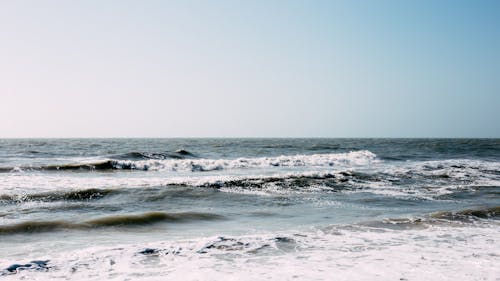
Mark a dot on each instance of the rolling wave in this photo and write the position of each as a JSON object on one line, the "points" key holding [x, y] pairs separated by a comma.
{"points": [[73, 195], [202, 165], [110, 221]]}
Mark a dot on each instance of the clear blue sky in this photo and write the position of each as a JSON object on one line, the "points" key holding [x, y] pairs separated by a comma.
{"points": [[249, 68]]}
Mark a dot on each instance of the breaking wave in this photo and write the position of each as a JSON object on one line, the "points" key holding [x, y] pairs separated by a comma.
{"points": [[434, 180], [200, 165]]}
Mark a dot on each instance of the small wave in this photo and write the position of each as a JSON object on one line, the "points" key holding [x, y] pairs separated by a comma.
{"points": [[140, 156], [399, 223], [101, 165], [323, 147], [111, 221], [149, 218], [469, 214], [178, 154], [184, 152], [278, 146], [36, 226], [439, 218], [73, 195], [7, 169]]}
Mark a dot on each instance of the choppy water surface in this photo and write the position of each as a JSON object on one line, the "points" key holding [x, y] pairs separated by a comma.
{"points": [[250, 209]]}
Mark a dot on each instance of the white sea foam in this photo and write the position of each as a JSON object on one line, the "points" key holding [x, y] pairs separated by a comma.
{"points": [[361, 157], [342, 253], [460, 169], [354, 172]]}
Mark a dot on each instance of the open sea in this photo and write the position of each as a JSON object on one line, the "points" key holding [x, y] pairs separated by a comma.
{"points": [[250, 209]]}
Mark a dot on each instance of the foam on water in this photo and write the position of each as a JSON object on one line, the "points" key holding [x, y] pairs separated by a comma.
{"points": [[201, 165], [250, 209], [341, 252], [315, 160], [424, 179]]}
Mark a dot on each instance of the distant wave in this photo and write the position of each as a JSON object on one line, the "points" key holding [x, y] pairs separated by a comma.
{"points": [[110, 221], [73, 195], [323, 147], [178, 154], [101, 165]]}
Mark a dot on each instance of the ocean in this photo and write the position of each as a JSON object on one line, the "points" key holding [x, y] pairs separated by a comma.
{"points": [[250, 209]]}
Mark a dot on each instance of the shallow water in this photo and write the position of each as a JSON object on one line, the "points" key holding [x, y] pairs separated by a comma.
{"points": [[250, 209]]}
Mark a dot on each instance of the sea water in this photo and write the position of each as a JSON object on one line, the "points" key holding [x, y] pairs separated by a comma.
{"points": [[250, 209]]}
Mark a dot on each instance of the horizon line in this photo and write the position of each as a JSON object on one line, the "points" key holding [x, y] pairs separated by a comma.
{"points": [[258, 137]]}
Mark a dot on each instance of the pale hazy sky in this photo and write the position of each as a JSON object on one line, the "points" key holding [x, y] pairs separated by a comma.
{"points": [[249, 68]]}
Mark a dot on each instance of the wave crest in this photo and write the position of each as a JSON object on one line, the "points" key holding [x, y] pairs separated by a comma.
{"points": [[202, 165]]}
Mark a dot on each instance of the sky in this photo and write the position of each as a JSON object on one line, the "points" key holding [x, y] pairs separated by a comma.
{"points": [[260, 68]]}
